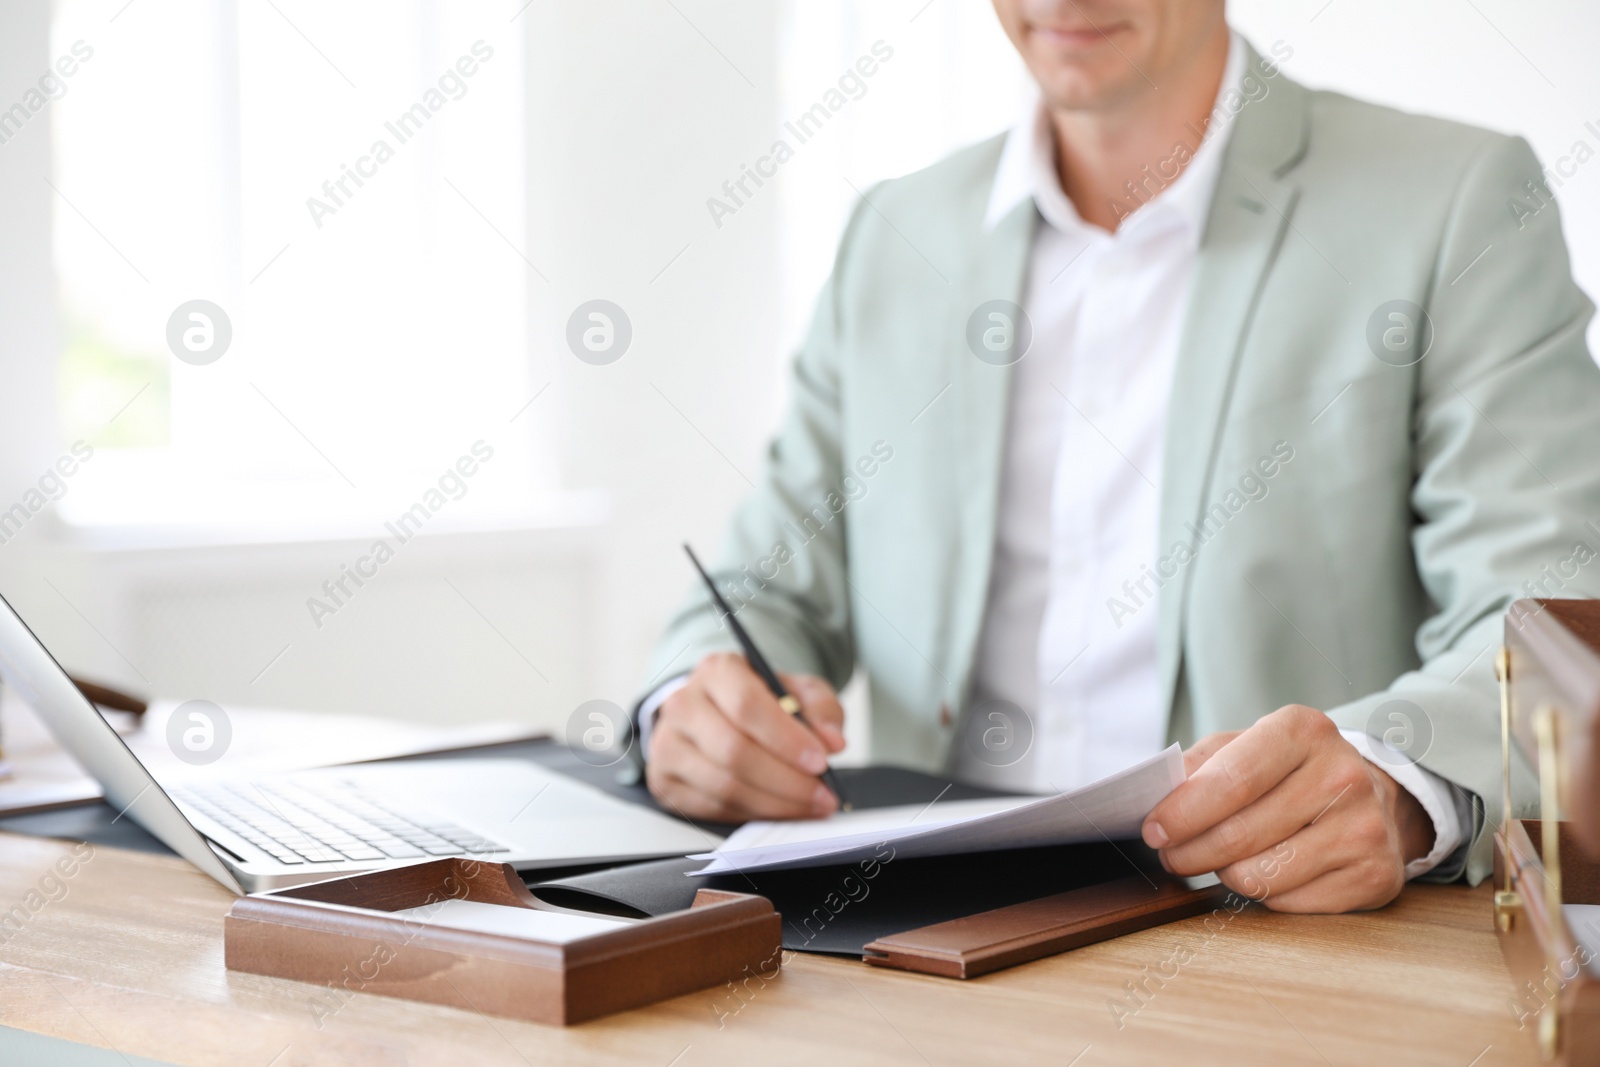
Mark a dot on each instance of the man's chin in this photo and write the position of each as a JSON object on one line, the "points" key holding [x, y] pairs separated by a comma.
{"points": [[1079, 90], [1081, 76]]}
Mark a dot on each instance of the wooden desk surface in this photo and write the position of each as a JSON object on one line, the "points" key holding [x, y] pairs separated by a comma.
{"points": [[130, 958]]}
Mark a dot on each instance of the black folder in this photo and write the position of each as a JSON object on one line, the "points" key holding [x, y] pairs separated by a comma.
{"points": [[841, 909]]}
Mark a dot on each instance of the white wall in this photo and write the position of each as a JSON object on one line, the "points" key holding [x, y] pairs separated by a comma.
{"points": [[637, 112]]}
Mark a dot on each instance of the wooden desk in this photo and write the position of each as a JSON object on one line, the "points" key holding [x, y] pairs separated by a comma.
{"points": [[131, 958]]}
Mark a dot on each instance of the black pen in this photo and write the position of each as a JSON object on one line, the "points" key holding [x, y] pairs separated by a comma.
{"points": [[758, 663]]}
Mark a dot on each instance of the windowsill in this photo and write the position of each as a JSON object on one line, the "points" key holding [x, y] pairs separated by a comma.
{"points": [[553, 513]]}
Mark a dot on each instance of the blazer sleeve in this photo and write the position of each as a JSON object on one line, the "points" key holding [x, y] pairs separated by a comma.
{"points": [[782, 564], [1506, 488]]}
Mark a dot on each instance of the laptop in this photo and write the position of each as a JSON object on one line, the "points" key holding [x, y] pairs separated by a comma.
{"points": [[254, 834]]}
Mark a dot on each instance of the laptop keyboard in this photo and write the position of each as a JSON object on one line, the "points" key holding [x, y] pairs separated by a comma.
{"points": [[328, 822]]}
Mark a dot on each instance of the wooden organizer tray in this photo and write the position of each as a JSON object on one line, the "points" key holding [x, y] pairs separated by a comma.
{"points": [[1555, 980], [340, 933], [1549, 671]]}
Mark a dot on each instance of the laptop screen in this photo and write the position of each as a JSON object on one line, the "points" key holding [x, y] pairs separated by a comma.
{"points": [[80, 728]]}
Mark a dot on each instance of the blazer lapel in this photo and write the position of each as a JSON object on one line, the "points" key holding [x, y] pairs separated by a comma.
{"points": [[1248, 221], [996, 271]]}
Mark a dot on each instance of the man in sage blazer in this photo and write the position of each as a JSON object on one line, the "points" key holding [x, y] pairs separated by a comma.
{"points": [[1379, 331]]}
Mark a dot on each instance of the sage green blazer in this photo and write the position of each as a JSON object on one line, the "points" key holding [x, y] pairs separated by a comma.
{"points": [[1422, 497]]}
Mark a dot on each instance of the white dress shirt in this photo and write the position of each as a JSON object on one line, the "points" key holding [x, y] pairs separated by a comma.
{"points": [[1079, 512]]}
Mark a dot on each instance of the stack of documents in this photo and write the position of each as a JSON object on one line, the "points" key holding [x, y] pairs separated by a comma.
{"points": [[557, 927], [1110, 809]]}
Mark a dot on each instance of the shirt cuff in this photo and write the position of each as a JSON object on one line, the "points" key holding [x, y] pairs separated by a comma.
{"points": [[1436, 795], [645, 720]]}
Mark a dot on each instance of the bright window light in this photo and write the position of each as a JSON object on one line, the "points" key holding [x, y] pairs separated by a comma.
{"points": [[346, 183]]}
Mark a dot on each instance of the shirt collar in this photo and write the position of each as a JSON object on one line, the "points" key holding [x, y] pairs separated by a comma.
{"points": [[1027, 168]]}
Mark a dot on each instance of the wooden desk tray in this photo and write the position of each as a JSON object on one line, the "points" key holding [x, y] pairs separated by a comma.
{"points": [[1552, 970], [339, 934]]}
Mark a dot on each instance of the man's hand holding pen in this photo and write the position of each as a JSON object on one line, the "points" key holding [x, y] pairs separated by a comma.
{"points": [[722, 749]]}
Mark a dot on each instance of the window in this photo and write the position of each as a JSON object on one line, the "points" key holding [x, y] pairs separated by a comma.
{"points": [[346, 183]]}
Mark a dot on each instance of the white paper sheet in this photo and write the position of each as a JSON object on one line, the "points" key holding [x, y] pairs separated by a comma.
{"points": [[1583, 920], [1114, 807], [555, 926]]}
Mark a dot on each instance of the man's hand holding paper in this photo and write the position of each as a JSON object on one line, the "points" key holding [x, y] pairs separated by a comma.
{"points": [[1287, 812]]}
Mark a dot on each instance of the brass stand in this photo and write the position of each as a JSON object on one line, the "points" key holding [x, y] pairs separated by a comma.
{"points": [[1507, 904], [1544, 726]]}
